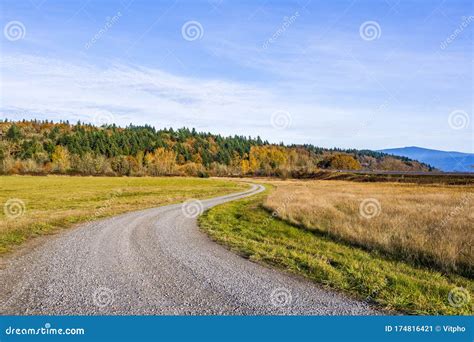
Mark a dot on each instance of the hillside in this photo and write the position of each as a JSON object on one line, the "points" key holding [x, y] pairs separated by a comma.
{"points": [[443, 160], [42, 147]]}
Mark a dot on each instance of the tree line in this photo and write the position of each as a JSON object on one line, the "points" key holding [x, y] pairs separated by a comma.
{"points": [[43, 147]]}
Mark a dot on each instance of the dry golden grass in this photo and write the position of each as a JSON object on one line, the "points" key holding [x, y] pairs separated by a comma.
{"points": [[430, 225]]}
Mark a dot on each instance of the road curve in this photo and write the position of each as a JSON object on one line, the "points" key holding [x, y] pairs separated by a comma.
{"points": [[155, 262]]}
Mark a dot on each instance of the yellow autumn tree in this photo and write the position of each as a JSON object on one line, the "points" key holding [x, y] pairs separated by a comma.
{"points": [[267, 159], [60, 159], [160, 162], [244, 166], [341, 161]]}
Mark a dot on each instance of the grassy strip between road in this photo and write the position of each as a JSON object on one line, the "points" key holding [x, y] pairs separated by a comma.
{"points": [[249, 230], [33, 206]]}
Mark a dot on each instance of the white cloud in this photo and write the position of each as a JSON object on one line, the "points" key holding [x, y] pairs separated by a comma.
{"points": [[44, 88], [41, 86], [48, 88]]}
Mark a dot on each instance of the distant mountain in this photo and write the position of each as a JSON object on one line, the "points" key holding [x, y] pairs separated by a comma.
{"points": [[442, 160]]}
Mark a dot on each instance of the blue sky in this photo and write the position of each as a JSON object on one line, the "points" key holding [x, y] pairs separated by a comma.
{"points": [[362, 74]]}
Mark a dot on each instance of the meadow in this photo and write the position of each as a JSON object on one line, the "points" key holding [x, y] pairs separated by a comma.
{"points": [[316, 229], [429, 225], [404, 247], [33, 206]]}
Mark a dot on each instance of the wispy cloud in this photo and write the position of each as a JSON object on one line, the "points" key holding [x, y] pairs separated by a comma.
{"points": [[253, 60], [41, 87], [51, 88]]}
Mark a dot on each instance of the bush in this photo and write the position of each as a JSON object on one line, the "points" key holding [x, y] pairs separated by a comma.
{"points": [[340, 161]]}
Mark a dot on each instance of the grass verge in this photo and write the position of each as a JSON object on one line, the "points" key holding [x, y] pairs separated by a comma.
{"points": [[249, 230], [33, 206]]}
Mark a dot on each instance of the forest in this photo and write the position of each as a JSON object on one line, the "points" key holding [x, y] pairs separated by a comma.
{"points": [[45, 147]]}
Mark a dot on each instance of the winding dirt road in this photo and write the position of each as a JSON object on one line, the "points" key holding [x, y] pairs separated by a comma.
{"points": [[155, 262]]}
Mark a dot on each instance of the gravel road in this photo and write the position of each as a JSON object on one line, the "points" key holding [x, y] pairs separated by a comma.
{"points": [[155, 262]]}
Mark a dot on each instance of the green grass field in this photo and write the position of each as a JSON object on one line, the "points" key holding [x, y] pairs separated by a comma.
{"points": [[33, 206], [251, 231]]}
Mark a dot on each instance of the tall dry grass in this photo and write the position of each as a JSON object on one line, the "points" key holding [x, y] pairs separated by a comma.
{"points": [[430, 225]]}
